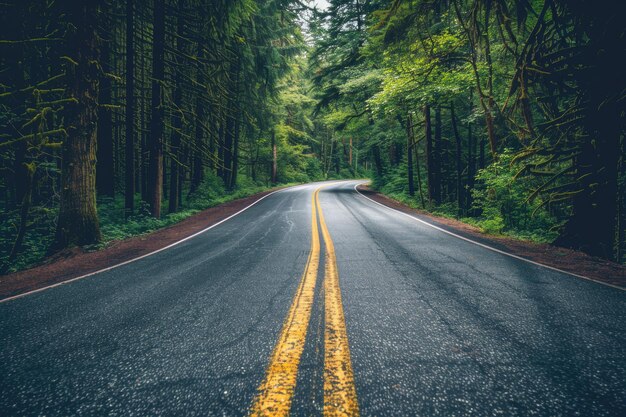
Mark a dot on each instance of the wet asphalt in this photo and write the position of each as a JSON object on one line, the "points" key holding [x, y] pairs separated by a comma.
{"points": [[437, 326]]}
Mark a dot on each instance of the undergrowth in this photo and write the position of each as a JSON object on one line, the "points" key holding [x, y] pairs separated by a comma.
{"points": [[500, 204]]}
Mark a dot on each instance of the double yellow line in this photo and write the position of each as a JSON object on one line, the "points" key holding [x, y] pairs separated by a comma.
{"points": [[275, 393]]}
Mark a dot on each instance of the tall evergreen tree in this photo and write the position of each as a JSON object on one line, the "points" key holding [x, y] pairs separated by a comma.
{"points": [[155, 168], [78, 218]]}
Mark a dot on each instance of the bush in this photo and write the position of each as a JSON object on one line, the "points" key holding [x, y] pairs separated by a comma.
{"points": [[504, 205]]}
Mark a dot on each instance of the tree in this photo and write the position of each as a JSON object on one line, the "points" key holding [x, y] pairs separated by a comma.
{"points": [[155, 168], [129, 148], [78, 218]]}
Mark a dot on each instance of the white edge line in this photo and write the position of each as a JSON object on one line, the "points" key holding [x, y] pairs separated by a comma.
{"points": [[58, 284], [487, 246]]}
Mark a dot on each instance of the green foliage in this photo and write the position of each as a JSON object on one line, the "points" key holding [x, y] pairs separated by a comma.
{"points": [[502, 200], [41, 227], [501, 204], [481, 82]]}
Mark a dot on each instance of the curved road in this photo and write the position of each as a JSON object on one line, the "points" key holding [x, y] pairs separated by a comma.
{"points": [[391, 317]]}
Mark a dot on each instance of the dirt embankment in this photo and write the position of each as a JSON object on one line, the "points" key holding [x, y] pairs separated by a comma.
{"points": [[576, 262]]}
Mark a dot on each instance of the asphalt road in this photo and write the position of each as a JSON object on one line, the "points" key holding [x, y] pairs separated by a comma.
{"points": [[436, 326]]}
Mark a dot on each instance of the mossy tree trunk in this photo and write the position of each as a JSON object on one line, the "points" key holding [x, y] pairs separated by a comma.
{"points": [[177, 117], [129, 149], [155, 169], [105, 169], [78, 219]]}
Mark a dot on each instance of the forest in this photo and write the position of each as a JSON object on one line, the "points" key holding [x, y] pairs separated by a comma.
{"points": [[118, 117]]}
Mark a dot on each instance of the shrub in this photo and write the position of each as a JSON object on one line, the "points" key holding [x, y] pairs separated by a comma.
{"points": [[502, 199]]}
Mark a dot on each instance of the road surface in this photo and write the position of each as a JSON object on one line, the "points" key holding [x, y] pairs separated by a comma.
{"points": [[318, 301]]}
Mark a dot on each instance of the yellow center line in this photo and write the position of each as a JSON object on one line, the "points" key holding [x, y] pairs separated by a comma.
{"points": [[276, 391], [339, 390]]}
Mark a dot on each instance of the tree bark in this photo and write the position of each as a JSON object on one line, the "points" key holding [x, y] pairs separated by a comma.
{"points": [[350, 156], [129, 173], [230, 138], [197, 175], [482, 153], [409, 155], [233, 176], [229, 135], [437, 158], [621, 205], [155, 169], [429, 154], [458, 157], [417, 163], [105, 173], [220, 145], [145, 129], [274, 157], [177, 122], [471, 161], [175, 154], [78, 218]]}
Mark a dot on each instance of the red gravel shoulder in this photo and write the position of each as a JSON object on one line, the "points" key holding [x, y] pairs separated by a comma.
{"points": [[76, 262], [564, 259]]}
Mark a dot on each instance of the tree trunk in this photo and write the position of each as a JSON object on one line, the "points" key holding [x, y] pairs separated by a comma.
{"points": [[417, 162], [228, 148], [165, 159], [592, 227], [177, 125], [233, 175], [337, 158], [232, 122], [197, 175], [129, 175], [350, 156], [429, 154], [182, 175], [482, 153], [177, 122], [621, 204], [274, 157], [155, 169], [437, 157], [78, 217], [105, 174], [145, 131], [409, 155], [393, 154], [491, 130], [220, 145], [471, 161], [458, 157]]}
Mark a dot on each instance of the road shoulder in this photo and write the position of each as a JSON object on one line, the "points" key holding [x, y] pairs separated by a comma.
{"points": [[76, 262], [568, 260]]}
